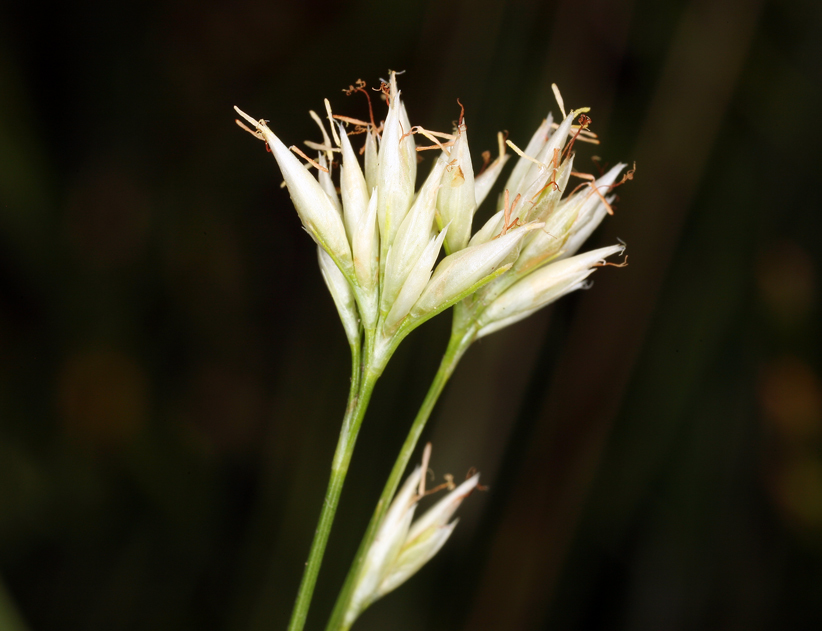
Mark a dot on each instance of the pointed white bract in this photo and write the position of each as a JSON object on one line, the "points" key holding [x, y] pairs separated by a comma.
{"points": [[533, 148], [400, 547], [372, 160], [456, 202], [396, 175], [353, 188], [327, 183], [415, 282], [366, 250], [320, 217], [412, 238], [459, 272]]}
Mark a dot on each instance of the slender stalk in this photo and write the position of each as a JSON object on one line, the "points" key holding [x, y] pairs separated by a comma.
{"points": [[457, 345], [362, 385]]}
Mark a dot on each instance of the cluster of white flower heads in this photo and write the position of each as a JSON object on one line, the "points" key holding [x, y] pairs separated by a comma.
{"points": [[379, 242]]}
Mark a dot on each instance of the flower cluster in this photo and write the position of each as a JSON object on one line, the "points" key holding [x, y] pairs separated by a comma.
{"points": [[379, 241], [400, 547]]}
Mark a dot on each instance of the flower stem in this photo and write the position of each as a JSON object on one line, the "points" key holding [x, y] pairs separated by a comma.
{"points": [[457, 345], [362, 385]]}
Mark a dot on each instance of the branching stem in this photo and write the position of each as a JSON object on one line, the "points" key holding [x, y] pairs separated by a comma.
{"points": [[460, 340]]}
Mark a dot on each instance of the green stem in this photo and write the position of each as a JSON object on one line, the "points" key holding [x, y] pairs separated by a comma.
{"points": [[457, 345], [362, 385]]}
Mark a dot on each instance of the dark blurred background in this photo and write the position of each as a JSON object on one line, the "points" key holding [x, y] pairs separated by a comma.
{"points": [[172, 370]]}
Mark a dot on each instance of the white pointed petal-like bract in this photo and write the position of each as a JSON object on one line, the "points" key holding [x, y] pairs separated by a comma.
{"points": [[317, 213], [414, 285], [489, 230], [427, 535], [439, 514], [581, 232], [460, 271], [366, 246], [484, 182], [543, 286], [534, 146], [353, 188], [543, 205], [590, 210], [342, 294], [538, 175], [366, 250], [372, 160], [409, 148], [412, 238], [385, 547], [396, 177], [327, 183], [411, 560], [456, 202]]}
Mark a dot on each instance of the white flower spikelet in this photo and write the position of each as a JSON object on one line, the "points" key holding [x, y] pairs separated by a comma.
{"points": [[400, 547]]}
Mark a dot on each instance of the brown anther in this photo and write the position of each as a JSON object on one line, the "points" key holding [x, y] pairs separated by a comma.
{"points": [[385, 88], [553, 182], [508, 210], [313, 163], [359, 86], [591, 181], [432, 136], [584, 121], [629, 175], [448, 484], [245, 127], [351, 121], [413, 130], [609, 264]]}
